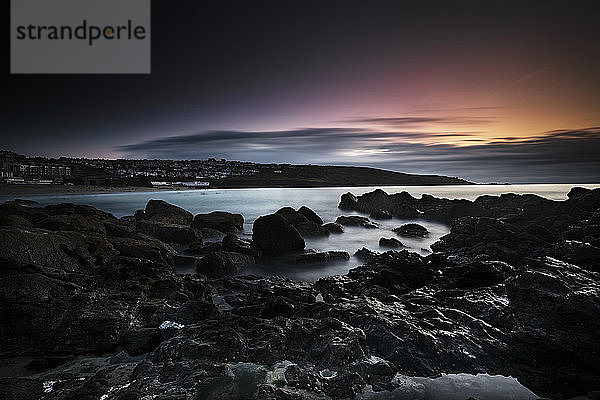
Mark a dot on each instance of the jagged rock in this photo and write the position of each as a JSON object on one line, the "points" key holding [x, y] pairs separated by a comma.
{"points": [[232, 243], [161, 211], [142, 249], [365, 254], [380, 214], [199, 248], [479, 273], [223, 263], [414, 230], [333, 227], [581, 254], [310, 215], [168, 233], [275, 235], [485, 238], [390, 242], [450, 210], [556, 308], [305, 226], [401, 205], [356, 220], [322, 257], [577, 192], [65, 292], [398, 271], [348, 202], [221, 221]]}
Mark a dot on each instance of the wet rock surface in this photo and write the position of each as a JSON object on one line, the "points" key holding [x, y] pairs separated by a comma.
{"points": [[95, 305], [273, 234], [161, 211], [305, 220], [222, 263], [414, 230], [322, 257], [356, 220], [392, 243], [221, 221]]}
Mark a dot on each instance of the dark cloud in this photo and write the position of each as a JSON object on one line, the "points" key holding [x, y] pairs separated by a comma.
{"points": [[414, 121], [557, 156]]}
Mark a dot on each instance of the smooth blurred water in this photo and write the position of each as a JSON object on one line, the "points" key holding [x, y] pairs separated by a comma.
{"points": [[252, 203]]}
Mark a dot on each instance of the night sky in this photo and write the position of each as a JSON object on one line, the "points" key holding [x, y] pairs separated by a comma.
{"points": [[503, 91]]}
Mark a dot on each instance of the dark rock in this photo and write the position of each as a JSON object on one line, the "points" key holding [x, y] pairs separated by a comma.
{"points": [[365, 254], [587, 201], [22, 202], [221, 221], [479, 273], [64, 293], [168, 233], [210, 233], [556, 308], [14, 220], [356, 220], [275, 235], [449, 210], [401, 205], [581, 254], [232, 243], [305, 226], [161, 211], [484, 238], [322, 257], [397, 271], [412, 230], [381, 214], [223, 263], [577, 192], [348, 202], [199, 248], [333, 227], [142, 249], [310, 215], [390, 242]]}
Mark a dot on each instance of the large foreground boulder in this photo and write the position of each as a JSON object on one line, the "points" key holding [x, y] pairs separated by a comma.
{"points": [[161, 211], [348, 202], [304, 220], [310, 215], [221, 221], [275, 235]]}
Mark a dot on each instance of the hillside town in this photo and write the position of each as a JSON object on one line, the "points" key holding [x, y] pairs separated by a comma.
{"points": [[19, 169]]}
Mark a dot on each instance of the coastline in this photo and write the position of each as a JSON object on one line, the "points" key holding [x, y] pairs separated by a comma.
{"points": [[8, 191], [57, 190]]}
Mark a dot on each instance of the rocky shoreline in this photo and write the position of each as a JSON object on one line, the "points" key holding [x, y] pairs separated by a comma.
{"points": [[95, 306]]}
